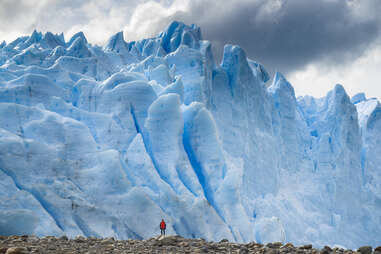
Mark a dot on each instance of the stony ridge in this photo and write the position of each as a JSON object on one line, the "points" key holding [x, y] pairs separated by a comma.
{"points": [[169, 244]]}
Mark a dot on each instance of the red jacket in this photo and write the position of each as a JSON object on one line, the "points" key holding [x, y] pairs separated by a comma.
{"points": [[162, 225]]}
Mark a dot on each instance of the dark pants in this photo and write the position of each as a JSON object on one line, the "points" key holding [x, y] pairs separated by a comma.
{"points": [[162, 231]]}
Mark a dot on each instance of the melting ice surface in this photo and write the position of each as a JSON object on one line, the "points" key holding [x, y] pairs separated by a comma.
{"points": [[107, 141]]}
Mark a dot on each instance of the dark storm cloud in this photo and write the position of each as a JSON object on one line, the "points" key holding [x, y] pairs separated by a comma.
{"points": [[287, 35]]}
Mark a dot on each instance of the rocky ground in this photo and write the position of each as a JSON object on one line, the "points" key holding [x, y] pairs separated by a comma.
{"points": [[170, 244]]}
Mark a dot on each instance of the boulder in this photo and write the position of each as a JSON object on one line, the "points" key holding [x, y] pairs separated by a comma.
{"points": [[306, 247], [109, 240], [326, 250], [80, 239], [16, 250], [365, 250], [243, 250], [63, 238], [275, 245], [288, 245]]}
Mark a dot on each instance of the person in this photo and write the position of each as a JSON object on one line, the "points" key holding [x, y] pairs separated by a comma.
{"points": [[162, 227]]}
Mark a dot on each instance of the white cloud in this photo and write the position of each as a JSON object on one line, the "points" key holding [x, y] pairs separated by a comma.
{"points": [[147, 19], [360, 75], [98, 19]]}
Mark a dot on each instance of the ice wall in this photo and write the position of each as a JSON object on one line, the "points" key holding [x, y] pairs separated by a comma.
{"points": [[107, 141]]}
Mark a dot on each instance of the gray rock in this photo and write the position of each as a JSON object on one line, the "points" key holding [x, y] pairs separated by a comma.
{"points": [[273, 251], [243, 250], [275, 245], [170, 240], [288, 245], [204, 249], [32, 238], [306, 247], [326, 250], [63, 238], [109, 240], [16, 250], [365, 250], [168, 244], [80, 239]]}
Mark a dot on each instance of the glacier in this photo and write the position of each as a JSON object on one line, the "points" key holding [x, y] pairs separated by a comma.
{"points": [[107, 141]]}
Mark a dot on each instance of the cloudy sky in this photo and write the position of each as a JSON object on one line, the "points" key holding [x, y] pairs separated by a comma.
{"points": [[315, 43]]}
